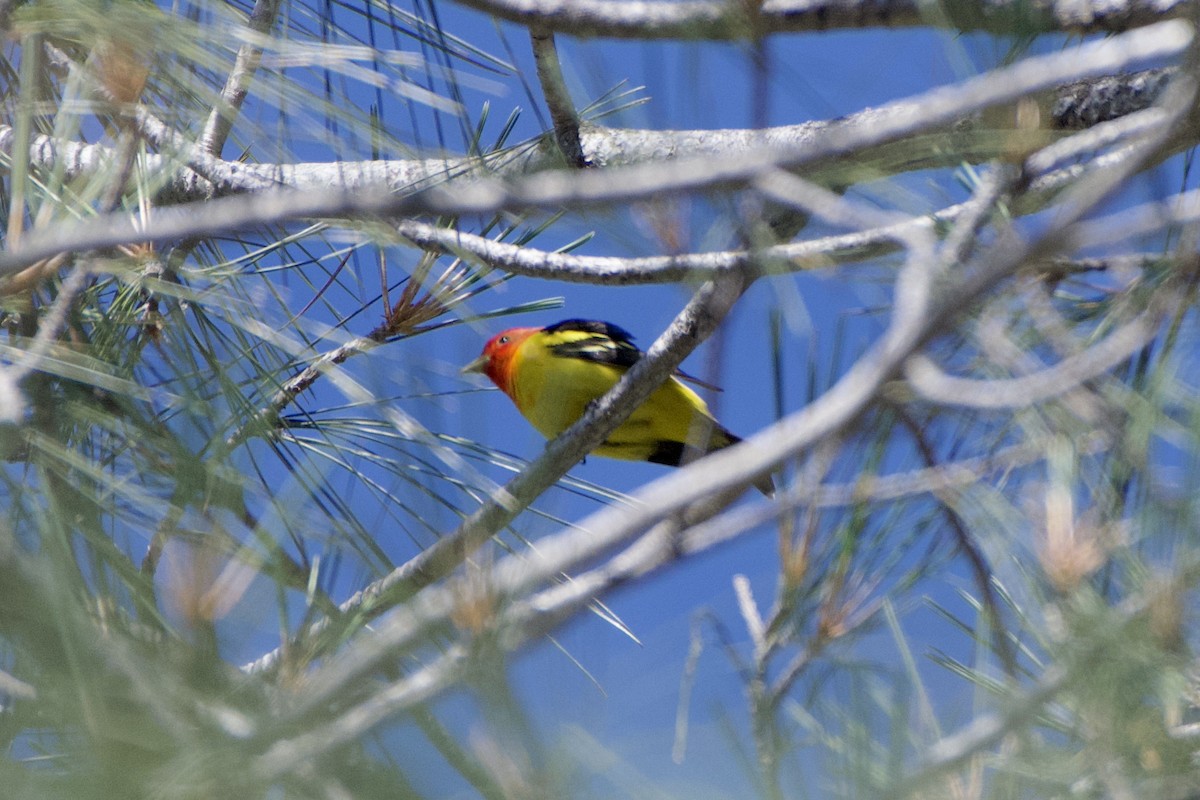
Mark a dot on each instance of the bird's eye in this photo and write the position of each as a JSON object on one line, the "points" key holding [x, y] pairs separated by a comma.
{"points": [[503, 340]]}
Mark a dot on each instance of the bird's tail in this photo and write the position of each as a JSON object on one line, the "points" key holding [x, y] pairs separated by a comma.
{"points": [[677, 454]]}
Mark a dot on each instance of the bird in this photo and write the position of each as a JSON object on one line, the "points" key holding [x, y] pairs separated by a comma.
{"points": [[553, 374]]}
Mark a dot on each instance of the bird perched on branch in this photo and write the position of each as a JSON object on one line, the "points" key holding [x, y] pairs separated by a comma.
{"points": [[553, 373]]}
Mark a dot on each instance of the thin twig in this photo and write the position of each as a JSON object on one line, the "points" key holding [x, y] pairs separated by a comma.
{"points": [[233, 95], [558, 99], [980, 570]]}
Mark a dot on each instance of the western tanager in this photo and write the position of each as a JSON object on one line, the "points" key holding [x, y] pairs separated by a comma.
{"points": [[553, 373]]}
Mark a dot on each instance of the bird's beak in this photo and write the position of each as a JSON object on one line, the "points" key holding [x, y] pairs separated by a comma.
{"points": [[478, 365]]}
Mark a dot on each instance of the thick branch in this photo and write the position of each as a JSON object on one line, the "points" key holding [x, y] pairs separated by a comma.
{"points": [[720, 20], [201, 176]]}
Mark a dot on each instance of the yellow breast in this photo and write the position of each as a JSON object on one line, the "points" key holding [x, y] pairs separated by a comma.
{"points": [[553, 392]]}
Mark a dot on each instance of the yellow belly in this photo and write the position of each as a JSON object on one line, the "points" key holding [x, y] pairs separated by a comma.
{"points": [[552, 393]]}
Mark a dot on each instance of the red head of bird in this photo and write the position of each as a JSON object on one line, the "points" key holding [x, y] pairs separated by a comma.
{"points": [[497, 356]]}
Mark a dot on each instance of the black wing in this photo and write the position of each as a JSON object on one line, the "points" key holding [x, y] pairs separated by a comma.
{"points": [[606, 344], [601, 342]]}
